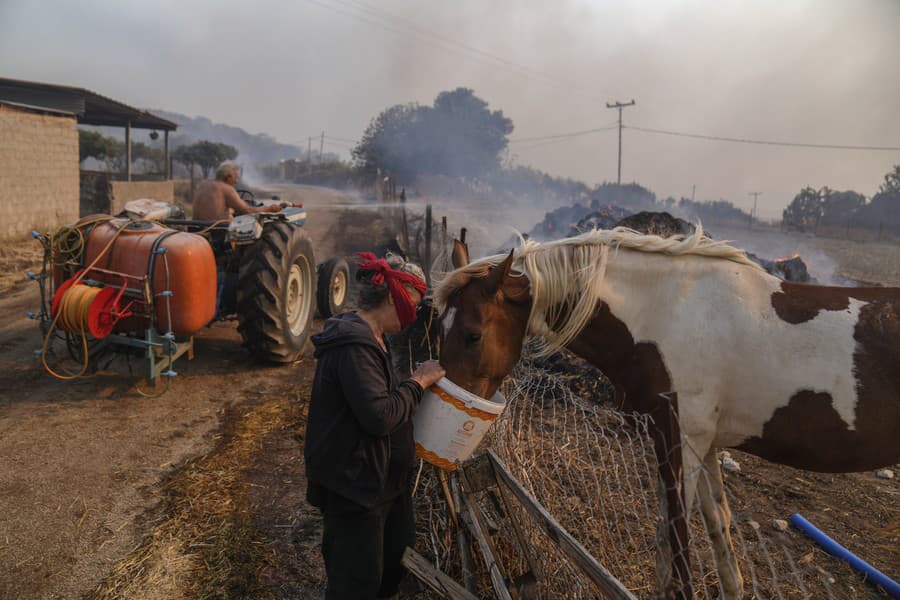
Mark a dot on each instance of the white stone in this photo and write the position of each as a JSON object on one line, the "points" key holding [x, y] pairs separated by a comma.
{"points": [[780, 524], [730, 465], [753, 525], [884, 474]]}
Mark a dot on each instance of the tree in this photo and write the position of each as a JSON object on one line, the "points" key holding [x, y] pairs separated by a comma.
{"points": [[108, 150], [210, 155], [470, 135], [805, 210], [838, 208], [152, 158], [187, 156], [389, 141], [458, 136], [891, 183], [884, 209], [204, 154]]}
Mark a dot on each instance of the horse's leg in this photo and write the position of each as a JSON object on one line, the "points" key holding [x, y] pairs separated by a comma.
{"points": [[672, 537], [717, 515]]}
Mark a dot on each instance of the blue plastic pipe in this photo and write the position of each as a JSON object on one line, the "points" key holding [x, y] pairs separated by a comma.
{"points": [[871, 574]]}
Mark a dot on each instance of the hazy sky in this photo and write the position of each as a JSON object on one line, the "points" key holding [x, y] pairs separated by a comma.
{"points": [[811, 71]]}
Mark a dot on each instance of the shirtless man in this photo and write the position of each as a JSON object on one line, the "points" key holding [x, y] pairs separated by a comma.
{"points": [[217, 199]]}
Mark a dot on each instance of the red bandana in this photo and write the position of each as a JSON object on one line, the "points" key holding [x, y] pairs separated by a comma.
{"points": [[397, 282]]}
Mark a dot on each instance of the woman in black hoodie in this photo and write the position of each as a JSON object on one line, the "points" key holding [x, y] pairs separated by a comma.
{"points": [[359, 445]]}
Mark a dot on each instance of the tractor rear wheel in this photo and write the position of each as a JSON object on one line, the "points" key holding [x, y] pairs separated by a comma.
{"points": [[333, 287], [276, 293]]}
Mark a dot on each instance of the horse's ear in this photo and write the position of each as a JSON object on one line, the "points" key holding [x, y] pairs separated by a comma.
{"points": [[460, 255], [497, 275], [516, 288]]}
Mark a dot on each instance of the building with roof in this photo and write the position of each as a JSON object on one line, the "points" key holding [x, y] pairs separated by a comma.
{"points": [[41, 185]]}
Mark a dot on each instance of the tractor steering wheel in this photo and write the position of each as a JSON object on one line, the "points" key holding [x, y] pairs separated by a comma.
{"points": [[248, 197]]}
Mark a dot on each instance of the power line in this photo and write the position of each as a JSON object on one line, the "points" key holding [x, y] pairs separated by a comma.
{"points": [[366, 13], [563, 135], [719, 138], [337, 139], [429, 33]]}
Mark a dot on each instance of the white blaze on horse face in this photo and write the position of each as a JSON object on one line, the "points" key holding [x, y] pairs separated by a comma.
{"points": [[731, 358], [447, 321]]}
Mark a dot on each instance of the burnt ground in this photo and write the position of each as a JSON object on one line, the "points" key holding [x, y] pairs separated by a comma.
{"points": [[199, 493]]}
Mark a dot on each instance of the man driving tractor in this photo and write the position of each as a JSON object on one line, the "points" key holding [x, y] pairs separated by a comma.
{"points": [[217, 200]]}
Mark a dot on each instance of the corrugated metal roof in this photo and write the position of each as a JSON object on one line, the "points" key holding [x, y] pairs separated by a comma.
{"points": [[90, 108]]}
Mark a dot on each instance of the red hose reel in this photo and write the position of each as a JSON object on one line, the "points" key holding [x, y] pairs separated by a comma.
{"points": [[85, 310]]}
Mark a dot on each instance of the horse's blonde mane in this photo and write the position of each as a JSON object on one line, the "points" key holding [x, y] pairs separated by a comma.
{"points": [[568, 274]]}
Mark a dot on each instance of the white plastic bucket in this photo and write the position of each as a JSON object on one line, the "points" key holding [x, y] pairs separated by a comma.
{"points": [[450, 423]]}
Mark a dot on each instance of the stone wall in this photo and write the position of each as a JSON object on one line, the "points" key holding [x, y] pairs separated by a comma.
{"points": [[38, 171]]}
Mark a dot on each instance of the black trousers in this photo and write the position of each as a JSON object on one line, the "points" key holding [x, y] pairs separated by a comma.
{"points": [[363, 546]]}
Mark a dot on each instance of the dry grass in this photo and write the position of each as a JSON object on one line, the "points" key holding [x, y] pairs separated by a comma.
{"points": [[864, 261], [205, 544], [16, 258]]}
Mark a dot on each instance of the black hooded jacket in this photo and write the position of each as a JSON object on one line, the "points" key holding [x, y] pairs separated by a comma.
{"points": [[359, 440]]}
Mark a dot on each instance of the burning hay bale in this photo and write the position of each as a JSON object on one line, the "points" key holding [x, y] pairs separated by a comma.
{"points": [[789, 269], [605, 217], [658, 223], [557, 223]]}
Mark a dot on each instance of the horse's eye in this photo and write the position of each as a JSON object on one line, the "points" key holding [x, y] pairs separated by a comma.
{"points": [[473, 338]]}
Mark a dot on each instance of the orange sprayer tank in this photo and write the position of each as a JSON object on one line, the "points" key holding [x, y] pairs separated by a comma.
{"points": [[187, 269]]}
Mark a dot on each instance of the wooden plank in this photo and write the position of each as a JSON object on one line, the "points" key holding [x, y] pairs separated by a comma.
{"points": [[521, 538], [603, 579], [462, 540], [435, 579], [471, 520]]}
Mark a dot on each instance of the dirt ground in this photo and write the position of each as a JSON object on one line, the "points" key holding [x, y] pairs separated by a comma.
{"points": [[92, 469], [199, 493]]}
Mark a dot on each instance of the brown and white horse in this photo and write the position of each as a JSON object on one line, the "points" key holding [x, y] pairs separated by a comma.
{"points": [[801, 375]]}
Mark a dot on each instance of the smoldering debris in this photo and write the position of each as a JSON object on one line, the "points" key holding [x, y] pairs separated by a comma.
{"points": [[789, 269], [578, 218]]}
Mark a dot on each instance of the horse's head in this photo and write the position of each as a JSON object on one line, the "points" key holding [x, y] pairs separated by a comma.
{"points": [[484, 321]]}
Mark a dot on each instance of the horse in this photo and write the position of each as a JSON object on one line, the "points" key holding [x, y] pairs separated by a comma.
{"points": [[801, 375]]}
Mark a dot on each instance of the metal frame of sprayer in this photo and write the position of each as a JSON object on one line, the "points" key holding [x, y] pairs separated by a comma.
{"points": [[161, 349]]}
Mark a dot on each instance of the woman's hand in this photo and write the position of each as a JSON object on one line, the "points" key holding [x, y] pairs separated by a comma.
{"points": [[428, 373]]}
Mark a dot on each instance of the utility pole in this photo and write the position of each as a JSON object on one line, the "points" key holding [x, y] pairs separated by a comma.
{"points": [[620, 106], [309, 156], [755, 195], [321, 146], [693, 191]]}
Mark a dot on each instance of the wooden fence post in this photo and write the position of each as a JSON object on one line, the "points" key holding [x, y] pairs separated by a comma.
{"points": [[427, 258], [443, 251], [404, 224]]}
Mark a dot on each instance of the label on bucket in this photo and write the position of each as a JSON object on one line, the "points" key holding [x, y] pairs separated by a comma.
{"points": [[448, 430]]}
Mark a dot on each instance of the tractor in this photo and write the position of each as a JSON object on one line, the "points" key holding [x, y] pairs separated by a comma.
{"points": [[146, 280]]}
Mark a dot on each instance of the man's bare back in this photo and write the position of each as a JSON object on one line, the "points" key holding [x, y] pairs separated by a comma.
{"points": [[217, 200]]}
